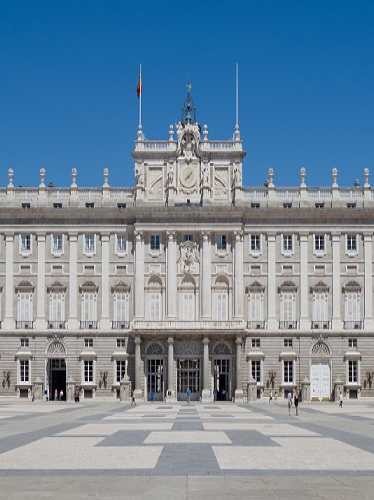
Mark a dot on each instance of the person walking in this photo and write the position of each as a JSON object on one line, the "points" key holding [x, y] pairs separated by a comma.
{"points": [[289, 402], [56, 395], [341, 400], [133, 402], [296, 403], [271, 397], [61, 395], [188, 393]]}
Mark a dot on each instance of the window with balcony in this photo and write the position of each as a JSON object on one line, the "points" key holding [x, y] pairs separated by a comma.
{"points": [[121, 343], [221, 299], [319, 245], [320, 306], [57, 244], [352, 306], [121, 244], [255, 244], [88, 343], [154, 299], [155, 243], [25, 244], [351, 244], [287, 244], [256, 370], [352, 343], [24, 310], [256, 299], [120, 370], [120, 297], [221, 242], [56, 312], [88, 294], [287, 297], [187, 237], [287, 342], [352, 371], [256, 343], [89, 244], [25, 342]]}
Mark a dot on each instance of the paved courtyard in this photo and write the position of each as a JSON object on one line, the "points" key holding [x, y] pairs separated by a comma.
{"points": [[107, 450]]}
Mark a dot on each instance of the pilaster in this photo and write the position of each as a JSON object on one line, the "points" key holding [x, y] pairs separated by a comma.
{"points": [[171, 375], [368, 304], [172, 275], [41, 322], [139, 275], [238, 276], [9, 321], [105, 292], [336, 288], [272, 323], [238, 388], [73, 322], [138, 392], [304, 295], [206, 302], [207, 393]]}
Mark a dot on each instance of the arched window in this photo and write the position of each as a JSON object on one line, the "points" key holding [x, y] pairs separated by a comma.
{"points": [[287, 296], [187, 299], [120, 297], [221, 299], [88, 293], [25, 314], [352, 305], [255, 293], [154, 299], [56, 301]]}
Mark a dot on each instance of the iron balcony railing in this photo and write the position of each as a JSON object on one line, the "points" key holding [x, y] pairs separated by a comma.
{"points": [[88, 325], [120, 325], [24, 325], [287, 325], [256, 325], [56, 325], [321, 325], [353, 325]]}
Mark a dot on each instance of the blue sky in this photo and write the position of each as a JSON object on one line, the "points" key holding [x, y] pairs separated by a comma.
{"points": [[69, 73]]}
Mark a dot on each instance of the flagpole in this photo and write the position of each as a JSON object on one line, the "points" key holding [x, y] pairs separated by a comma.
{"points": [[237, 96], [140, 96]]}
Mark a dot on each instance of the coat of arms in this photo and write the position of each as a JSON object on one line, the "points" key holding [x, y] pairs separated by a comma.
{"points": [[188, 260]]}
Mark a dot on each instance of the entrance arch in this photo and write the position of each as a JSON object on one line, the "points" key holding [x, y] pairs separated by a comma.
{"points": [[320, 371], [222, 370], [56, 370]]}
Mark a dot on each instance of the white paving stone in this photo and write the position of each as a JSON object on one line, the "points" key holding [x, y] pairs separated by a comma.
{"points": [[266, 429], [297, 453], [187, 437], [65, 453], [108, 429]]}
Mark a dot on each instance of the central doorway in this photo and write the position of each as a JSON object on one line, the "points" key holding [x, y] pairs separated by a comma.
{"points": [[57, 378], [320, 381], [188, 377], [222, 379], [155, 379]]}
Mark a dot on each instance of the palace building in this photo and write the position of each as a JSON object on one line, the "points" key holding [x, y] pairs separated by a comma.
{"points": [[187, 281]]}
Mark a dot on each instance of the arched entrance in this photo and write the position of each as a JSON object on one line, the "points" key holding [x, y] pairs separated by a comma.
{"points": [[222, 369], [320, 371], [56, 371], [155, 371]]}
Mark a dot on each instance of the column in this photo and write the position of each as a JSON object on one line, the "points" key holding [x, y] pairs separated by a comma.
{"points": [[105, 291], [171, 374], [304, 295], [368, 254], [139, 275], [172, 275], [73, 322], [207, 394], [272, 298], [336, 289], [238, 387], [238, 276], [41, 323], [206, 296], [9, 322], [138, 392]]}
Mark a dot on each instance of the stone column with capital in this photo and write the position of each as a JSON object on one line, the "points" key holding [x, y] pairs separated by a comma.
{"points": [[207, 394], [304, 295], [9, 321], [172, 275], [368, 255], [206, 296], [138, 391], [336, 288], [238, 388], [73, 322], [139, 275], [41, 322], [105, 292], [238, 276], [170, 395], [272, 323]]}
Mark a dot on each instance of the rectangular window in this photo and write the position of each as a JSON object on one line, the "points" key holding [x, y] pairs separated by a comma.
{"points": [[89, 268], [57, 268], [24, 307], [221, 303], [287, 342], [121, 342], [256, 307], [320, 205], [57, 205], [288, 307], [155, 306], [24, 342], [155, 242], [187, 237], [187, 306], [88, 371], [90, 205], [120, 370], [121, 269], [351, 243], [255, 243], [26, 205], [25, 243], [88, 307], [319, 268], [24, 366], [25, 268], [287, 243], [57, 243], [120, 307], [287, 269], [88, 342], [57, 308], [89, 243], [255, 205], [288, 372], [320, 307], [319, 242], [221, 242], [352, 343], [256, 370], [352, 371], [121, 205], [256, 343], [121, 243], [352, 307]]}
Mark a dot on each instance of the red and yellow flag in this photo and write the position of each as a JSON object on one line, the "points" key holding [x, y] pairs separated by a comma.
{"points": [[139, 87]]}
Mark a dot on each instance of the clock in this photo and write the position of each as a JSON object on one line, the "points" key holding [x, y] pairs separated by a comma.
{"points": [[188, 176]]}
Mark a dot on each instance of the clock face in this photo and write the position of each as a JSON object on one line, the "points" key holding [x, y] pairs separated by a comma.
{"points": [[188, 176]]}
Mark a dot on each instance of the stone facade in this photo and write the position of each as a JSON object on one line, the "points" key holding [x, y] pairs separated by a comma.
{"points": [[186, 284]]}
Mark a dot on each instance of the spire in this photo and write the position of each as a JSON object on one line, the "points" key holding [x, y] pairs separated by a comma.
{"points": [[188, 110]]}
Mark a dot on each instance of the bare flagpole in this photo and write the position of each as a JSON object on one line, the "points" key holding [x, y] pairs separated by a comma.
{"points": [[237, 129], [140, 96]]}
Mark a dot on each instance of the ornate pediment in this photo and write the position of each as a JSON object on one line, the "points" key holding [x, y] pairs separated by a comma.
{"points": [[188, 141]]}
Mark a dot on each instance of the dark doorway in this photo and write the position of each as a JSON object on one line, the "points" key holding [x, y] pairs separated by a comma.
{"points": [[222, 378], [57, 379]]}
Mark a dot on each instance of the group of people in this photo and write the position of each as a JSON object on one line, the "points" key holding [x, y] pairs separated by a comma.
{"points": [[292, 399]]}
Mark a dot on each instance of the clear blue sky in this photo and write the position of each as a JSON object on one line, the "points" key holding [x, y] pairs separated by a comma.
{"points": [[69, 74]]}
